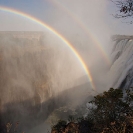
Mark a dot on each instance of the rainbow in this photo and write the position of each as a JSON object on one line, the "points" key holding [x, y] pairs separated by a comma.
{"points": [[82, 25], [16, 12]]}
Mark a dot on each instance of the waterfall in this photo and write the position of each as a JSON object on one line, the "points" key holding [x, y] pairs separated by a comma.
{"points": [[121, 70]]}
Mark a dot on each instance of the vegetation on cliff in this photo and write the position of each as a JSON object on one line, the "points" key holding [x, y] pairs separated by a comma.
{"points": [[109, 112]]}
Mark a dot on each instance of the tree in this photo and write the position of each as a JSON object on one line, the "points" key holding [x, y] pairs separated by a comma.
{"points": [[109, 112], [59, 127], [111, 108], [125, 8]]}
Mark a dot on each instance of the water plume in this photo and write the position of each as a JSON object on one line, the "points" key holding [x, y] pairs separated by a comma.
{"points": [[34, 71]]}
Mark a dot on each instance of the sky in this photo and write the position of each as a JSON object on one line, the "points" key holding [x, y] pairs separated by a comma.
{"points": [[56, 13]]}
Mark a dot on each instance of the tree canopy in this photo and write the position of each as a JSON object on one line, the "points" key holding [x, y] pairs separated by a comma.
{"points": [[125, 8], [109, 112]]}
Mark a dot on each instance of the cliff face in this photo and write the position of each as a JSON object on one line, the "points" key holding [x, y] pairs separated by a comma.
{"points": [[23, 34], [35, 74], [121, 71]]}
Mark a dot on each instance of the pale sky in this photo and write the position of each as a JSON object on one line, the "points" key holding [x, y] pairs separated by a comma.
{"points": [[57, 13]]}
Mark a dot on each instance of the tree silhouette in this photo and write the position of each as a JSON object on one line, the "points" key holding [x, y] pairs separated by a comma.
{"points": [[125, 8]]}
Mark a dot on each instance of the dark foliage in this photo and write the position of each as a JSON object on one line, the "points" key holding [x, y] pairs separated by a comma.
{"points": [[60, 126], [109, 112], [125, 8]]}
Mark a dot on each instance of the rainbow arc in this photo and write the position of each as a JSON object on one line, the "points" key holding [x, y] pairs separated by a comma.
{"points": [[27, 16]]}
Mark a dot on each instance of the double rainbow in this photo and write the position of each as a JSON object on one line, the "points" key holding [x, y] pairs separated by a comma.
{"points": [[83, 27], [27, 16]]}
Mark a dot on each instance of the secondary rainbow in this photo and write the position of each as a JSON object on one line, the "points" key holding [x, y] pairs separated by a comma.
{"points": [[5, 9], [82, 25]]}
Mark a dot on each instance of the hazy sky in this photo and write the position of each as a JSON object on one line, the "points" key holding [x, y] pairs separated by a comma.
{"points": [[57, 13]]}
